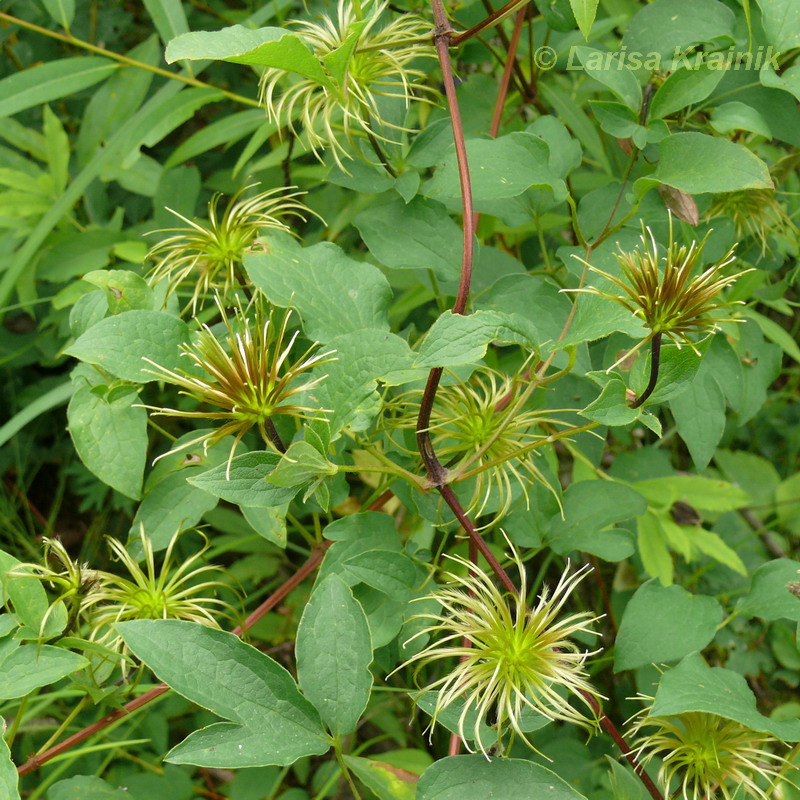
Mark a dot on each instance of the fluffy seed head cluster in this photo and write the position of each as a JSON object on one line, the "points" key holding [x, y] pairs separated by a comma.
{"points": [[518, 658], [756, 213], [96, 599], [247, 376], [75, 583], [360, 61], [177, 590], [479, 430], [705, 757], [661, 291], [209, 254]]}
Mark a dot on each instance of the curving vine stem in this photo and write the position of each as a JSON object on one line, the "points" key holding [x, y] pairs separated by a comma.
{"points": [[437, 474]]}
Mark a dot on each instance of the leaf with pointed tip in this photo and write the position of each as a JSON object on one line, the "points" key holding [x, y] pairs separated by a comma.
{"points": [[334, 651], [265, 47], [271, 723]]}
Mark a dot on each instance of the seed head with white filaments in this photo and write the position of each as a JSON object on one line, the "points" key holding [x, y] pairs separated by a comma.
{"points": [[661, 292], [707, 757], [247, 375], [341, 103], [479, 430], [519, 658], [209, 254]]}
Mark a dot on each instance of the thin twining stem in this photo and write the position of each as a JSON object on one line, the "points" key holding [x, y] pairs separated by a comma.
{"points": [[131, 62], [437, 474], [655, 361], [490, 21]]}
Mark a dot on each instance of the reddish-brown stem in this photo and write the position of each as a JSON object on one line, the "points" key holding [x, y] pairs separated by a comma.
{"points": [[611, 729], [491, 20], [442, 39], [497, 117], [436, 472], [604, 593], [448, 495]]}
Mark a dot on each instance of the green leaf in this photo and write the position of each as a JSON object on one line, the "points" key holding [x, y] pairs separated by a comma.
{"points": [[700, 416], [268, 522], [697, 163], [170, 502], [611, 407], [125, 290], [415, 235], [611, 70], [665, 27], [50, 81], [677, 369], [625, 785], [736, 116], [684, 87], [178, 112], [781, 21], [226, 131], [334, 652], [245, 481], [110, 436], [652, 544], [29, 599], [337, 60], [9, 779], [300, 464], [168, 17], [33, 665], [85, 787], [450, 715], [386, 781], [266, 47], [589, 507], [499, 168], [363, 358], [386, 570], [332, 293], [712, 545], [664, 624], [456, 339], [499, 778], [571, 113], [775, 333], [706, 494], [271, 722], [769, 596], [119, 344], [57, 148], [56, 397], [753, 473], [694, 686], [585, 11], [62, 12]]}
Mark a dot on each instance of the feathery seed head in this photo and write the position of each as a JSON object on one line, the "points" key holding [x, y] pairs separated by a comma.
{"points": [[705, 756], [177, 590], [756, 213], [247, 376], [661, 291], [478, 429], [211, 253], [345, 95], [518, 658]]}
